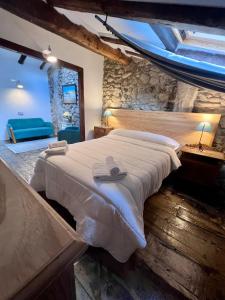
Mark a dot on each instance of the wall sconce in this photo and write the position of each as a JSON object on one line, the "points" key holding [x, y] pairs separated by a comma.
{"points": [[106, 115], [203, 127]]}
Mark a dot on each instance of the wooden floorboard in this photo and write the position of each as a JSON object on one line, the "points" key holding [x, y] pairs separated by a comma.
{"points": [[186, 245]]}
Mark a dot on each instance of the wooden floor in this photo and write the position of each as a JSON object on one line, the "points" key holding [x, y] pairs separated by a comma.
{"points": [[186, 245]]}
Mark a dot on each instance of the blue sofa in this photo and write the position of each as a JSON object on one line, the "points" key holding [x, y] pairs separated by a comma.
{"points": [[28, 128]]}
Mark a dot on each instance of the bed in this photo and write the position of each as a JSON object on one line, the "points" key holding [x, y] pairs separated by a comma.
{"points": [[108, 215]]}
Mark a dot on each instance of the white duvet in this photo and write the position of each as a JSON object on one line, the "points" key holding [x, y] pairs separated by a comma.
{"points": [[108, 215]]}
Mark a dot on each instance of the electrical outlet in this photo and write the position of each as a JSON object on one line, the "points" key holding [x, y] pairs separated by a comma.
{"points": [[20, 113]]}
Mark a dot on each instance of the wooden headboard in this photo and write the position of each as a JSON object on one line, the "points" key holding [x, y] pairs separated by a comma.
{"points": [[178, 125]]}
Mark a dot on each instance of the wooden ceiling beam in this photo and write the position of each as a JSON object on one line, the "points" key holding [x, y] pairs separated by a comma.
{"points": [[40, 13], [181, 16], [112, 40], [134, 54]]}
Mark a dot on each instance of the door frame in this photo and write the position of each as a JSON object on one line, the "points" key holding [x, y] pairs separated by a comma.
{"points": [[36, 54]]}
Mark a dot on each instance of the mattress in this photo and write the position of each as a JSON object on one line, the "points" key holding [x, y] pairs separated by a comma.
{"points": [[108, 215]]}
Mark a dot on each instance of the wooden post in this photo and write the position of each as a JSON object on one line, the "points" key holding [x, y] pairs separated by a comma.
{"points": [[12, 135]]}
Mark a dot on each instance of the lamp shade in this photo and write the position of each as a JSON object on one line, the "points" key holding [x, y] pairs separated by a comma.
{"points": [[107, 113], [204, 126]]}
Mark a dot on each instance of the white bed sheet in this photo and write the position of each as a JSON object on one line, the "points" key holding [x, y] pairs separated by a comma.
{"points": [[108, 215]]}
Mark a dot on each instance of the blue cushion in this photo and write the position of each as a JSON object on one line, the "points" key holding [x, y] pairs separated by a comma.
{"points": [[32, 132]]}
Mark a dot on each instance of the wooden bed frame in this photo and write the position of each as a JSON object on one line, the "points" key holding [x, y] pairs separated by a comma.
{"points": [[178, 125]]}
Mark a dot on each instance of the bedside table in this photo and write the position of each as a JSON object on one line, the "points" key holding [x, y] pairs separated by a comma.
{"points": [[100, 131], [202, 170]]}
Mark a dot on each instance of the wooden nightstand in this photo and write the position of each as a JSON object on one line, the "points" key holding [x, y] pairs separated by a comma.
{"points": [[202, 170], [100, 131]]}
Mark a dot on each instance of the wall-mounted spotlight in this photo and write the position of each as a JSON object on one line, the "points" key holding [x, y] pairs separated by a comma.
{"points": [[47, 54]]}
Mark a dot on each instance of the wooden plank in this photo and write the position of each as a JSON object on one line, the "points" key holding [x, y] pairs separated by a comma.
{"points": [[112, 40], [12, 135], [178, 207], [40, 242], [191, 230], [173, 267], [208, 19], [178, 125], [186, 246], [135, 54], [44, 15], [189, 278], [202, 252]]}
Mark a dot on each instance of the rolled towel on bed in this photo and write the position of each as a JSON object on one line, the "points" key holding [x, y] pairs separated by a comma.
{"points": [[58, 144], [56, 151], [112, 166], [102, 173]]}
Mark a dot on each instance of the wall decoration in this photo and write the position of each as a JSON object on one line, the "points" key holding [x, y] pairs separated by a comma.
{"points": [[69, 94]]}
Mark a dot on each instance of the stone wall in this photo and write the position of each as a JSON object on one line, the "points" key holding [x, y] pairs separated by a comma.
{"points": [[140, 85], [57, 77]]}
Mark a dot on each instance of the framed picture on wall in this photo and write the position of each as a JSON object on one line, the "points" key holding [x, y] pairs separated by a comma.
{"points": [[69, 93]]}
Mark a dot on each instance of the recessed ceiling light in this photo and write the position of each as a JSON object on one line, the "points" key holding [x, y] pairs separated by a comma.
{"points": [[52, 59], [19, 85]]}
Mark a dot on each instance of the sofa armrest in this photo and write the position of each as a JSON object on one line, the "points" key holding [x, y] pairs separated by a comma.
{"points": [[50, 125]]}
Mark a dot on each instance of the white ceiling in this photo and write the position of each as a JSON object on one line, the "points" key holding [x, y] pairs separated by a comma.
{"points": [[16, 71]]}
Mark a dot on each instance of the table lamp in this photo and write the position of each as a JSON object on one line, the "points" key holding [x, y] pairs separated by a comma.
{"points": [[107, 114], [203, 127]]}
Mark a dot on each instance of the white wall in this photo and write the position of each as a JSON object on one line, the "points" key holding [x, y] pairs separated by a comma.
{"points": [[24, 33], [32, 101]]}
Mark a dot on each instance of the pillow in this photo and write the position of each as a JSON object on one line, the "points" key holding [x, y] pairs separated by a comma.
{"points": [[148, 137]]}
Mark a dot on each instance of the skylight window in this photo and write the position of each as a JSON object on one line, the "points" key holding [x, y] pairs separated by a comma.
{"points": [[205, 40]]}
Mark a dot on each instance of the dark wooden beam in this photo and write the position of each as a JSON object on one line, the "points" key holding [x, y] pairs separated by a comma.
{"points": [[182, 16], [112, 40], [22, 58], [166, 36], [43, 15], [42, 65]]}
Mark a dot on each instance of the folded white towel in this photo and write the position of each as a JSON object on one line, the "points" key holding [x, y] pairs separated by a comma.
{"points": [[56, 151], [57, 144], [112, 165], [102, 173]]}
